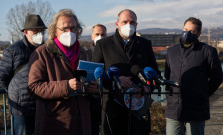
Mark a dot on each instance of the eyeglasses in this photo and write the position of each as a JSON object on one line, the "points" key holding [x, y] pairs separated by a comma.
{"points": [[72, 29]]}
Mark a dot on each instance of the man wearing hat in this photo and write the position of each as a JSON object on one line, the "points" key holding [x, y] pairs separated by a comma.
{"points": [[14, 71]]}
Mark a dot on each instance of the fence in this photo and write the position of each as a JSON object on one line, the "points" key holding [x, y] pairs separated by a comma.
{"points": [[3, 93]]}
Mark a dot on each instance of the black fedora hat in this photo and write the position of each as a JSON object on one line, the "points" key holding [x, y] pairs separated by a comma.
{"points": [[33, 21]]}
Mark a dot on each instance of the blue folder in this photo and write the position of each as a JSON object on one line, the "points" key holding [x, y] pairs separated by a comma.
{"points": [[89, 67]]}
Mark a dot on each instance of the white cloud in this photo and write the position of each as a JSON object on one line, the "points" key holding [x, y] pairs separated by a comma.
{"points": [[168, 13], [172, 11]]}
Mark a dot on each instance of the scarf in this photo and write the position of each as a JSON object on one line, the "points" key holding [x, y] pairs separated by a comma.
{"points": [[71, 53]]}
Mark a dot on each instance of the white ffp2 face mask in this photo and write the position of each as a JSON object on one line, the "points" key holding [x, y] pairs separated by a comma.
{"points": [[127, 30], [38, 38], [67, 38], [97, 38]]}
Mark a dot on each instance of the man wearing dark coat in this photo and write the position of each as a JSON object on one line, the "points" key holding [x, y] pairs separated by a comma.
{"points": [[123, 50], [197, 66], [14, 71]]}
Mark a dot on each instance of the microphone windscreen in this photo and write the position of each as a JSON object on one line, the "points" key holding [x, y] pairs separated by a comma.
{"points": [[150, 73], [135, 69], [113, 71], [80, 72], [99, 73]]}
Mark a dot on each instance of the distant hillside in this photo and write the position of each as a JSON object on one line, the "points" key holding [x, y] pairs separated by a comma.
{"points": [[4, 42], [216, 33], [146, 31], [159, 31]]}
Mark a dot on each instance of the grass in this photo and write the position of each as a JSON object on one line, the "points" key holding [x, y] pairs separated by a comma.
{"points": [[158, 121], [2, 114], [161, 64]]}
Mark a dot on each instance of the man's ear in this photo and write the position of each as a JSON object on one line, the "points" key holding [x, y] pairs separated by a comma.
{"points": [[25, 32], [92, 37], [116, 23]]}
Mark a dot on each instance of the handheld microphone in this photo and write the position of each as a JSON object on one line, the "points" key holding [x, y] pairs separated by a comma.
{"points": [[99, 75], [81, 76], [113, 74], [135, 69], [152, 75]]}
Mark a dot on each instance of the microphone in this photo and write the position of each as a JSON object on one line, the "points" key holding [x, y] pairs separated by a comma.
{"points": [[99, 75], [113, 74], [81, 76], [152, 75], [135, 69]]}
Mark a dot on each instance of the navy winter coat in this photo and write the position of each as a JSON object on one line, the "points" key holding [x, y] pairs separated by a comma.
{"points": [[16, 82], [199, 70]]}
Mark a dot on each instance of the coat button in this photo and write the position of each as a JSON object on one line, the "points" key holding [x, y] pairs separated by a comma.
{"points": [[182, 65], [77, 112]]}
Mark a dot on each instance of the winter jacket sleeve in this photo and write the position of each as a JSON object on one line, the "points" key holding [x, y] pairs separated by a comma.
{"points": [[40, 83], [99, 58], [6, 69], [215, 71]]}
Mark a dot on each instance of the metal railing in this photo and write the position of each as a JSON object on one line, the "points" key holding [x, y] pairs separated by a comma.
{"points": [[3, 93]]}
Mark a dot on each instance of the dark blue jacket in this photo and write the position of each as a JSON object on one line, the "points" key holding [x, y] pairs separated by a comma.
{"points": [[199, 70], [16, 84]]}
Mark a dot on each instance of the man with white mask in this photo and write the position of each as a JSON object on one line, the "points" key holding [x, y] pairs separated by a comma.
{"points": [[14, 71], [123, 50], [60, 110], [99, 31]]}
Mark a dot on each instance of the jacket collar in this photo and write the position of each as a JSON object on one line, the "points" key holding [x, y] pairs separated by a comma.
{"points": [[121, 39], [193, 45], [29, 46], [55, 50], [52, 47], [126, 50]]}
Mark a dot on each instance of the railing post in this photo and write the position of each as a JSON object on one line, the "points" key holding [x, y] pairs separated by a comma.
{"points": [[12, 126], [5, 117], [163, 96], [3, 92]]}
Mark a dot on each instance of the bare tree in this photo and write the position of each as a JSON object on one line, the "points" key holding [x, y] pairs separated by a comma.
{"points": [[16, 16]]}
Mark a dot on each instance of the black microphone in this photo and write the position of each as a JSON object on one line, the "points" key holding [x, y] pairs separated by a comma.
{"points": [[81, 76], [99, 75], [135, 69], [113, 74], [152, 75]]}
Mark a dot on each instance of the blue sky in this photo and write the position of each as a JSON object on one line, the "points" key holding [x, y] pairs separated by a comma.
{"points": [[150, 13]]}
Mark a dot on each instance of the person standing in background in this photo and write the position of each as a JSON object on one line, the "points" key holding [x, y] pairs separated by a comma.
{"points": [[99, 31], [14, 71]]}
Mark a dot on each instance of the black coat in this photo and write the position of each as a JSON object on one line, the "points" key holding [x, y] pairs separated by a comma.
{"points": [[112, 51], [199, 70], [16, 81]]}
